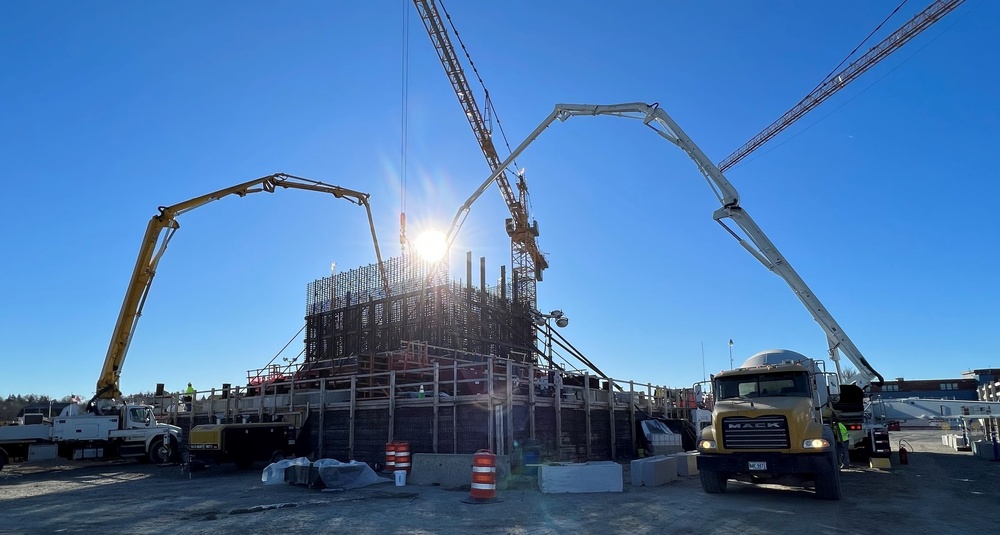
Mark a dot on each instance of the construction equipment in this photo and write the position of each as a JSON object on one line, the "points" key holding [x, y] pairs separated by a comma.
{"points": [[165, 224], [835, 82], [527, 261], [756, 242], [241, 443], [772, 421], [130, 432]]}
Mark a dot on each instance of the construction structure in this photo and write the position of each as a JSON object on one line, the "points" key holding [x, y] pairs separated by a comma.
{"points": [[349, 314], [449, 367]]}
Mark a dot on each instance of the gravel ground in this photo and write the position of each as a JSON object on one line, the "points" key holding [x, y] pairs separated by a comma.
{"points": [[939, 491]]}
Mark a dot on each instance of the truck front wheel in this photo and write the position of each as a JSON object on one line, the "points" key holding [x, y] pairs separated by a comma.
{"points": [[160, 452], [3, 459], [828, 483], [713, 482]]}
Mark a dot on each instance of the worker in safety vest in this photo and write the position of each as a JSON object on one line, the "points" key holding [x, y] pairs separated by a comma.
{"points": [[843, 441], [189, 396]]}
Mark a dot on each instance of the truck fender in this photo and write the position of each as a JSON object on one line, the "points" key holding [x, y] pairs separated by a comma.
{"points": [[154, 437]]}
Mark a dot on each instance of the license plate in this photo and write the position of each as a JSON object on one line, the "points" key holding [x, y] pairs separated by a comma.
{"points": [[758, 465]]}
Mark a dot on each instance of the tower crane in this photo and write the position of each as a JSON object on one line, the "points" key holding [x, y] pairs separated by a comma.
{"points": [[835, 82], [527, 261]]}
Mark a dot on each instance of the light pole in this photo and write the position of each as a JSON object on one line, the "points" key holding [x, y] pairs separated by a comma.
{"points": [[730, 353], [546, 320]]}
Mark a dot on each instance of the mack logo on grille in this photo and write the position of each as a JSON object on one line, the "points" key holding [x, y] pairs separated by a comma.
{"points": [[754, 425], [762, 432]]}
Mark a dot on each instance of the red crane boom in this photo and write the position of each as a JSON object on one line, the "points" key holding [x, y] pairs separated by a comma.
{"points": [[836, 82]]}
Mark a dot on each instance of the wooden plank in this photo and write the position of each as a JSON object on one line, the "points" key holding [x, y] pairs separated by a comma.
{"points": [[491, 434], [510, 407], [531, 401], [611, 410], [631, 415], [322, 415], [392, 404], [350, 415], [558, 404], [586, 409], [437, 401]]}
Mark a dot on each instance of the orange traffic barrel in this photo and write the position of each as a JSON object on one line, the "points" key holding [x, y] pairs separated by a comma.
{"points": [[390, 457], [403, 456], [484, 477]]}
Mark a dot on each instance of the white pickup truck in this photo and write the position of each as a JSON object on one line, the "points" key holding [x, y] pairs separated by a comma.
{"points": [[130, 432]]}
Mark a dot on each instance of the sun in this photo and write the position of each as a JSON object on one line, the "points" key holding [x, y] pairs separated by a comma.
{"points": [[431, 245]]}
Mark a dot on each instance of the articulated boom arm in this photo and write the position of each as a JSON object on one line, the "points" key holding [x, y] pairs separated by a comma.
{"points": [[165, 224], [757, 244]]}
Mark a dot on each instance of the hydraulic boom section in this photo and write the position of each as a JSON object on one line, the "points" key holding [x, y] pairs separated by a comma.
{"points": [[165, 224], [757, 243]]}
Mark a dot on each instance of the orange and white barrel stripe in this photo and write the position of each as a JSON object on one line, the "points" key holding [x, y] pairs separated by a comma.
{"points": [[484, 476], [403, 456], [390, 457]]}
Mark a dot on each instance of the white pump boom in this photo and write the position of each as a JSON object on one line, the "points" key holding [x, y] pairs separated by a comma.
{"points": [[757, 243]]}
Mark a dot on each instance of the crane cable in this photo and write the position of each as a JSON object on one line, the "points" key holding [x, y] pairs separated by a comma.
{"points": [[404, 114], [491, 112]]}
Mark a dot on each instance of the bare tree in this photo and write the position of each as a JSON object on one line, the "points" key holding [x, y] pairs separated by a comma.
{"points": [[847, 375]]}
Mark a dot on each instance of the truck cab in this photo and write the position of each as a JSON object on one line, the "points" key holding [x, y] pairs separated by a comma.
{"points": [[131, 431], [770, 423]]}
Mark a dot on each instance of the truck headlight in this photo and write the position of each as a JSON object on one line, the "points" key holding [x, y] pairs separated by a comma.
{"points": [[706, 444], [815, 444]]}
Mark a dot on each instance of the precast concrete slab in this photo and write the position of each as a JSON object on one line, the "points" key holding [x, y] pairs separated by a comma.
{"points": [[451, 470], [601, 476]]}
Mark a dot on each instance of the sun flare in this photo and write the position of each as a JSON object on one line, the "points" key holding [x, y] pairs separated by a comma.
{"points": [[431, 245]]}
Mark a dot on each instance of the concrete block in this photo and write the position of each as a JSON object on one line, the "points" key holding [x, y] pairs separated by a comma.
{"points": [[451, 470], [983, 449], [603, 476], [635, 469], [652, 471], [687, 463], [659, 471]]}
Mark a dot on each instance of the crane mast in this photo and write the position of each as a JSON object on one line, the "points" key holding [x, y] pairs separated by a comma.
{"points": [[836, 82], [527, 261]]}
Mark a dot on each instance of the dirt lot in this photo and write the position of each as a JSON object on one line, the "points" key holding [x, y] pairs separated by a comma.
{"points": [[939, 491]]}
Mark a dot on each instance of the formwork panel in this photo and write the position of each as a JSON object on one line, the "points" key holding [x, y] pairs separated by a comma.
{"points": [[573, 442], [600, 435]]}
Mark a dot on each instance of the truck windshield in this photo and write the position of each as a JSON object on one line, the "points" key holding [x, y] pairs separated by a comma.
{"points": [[140, 415], [761, 385]]}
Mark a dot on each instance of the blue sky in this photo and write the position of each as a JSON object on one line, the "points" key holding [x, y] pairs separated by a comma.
{"points": [[880, 198]]}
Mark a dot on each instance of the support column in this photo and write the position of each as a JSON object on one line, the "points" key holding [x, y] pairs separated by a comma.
{"points": [[558, 400], [611, 410], [437, 401], [491, 433], [510, 408], [322, 416], [454, 407], [586, 408], [531, 400], [392, 405], [351, 415], [631, 414]]}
